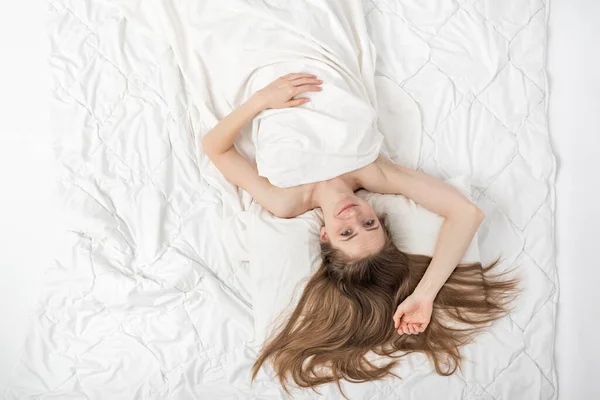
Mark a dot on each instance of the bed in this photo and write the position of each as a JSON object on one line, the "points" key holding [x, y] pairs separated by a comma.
{"points": [[145, 301]]}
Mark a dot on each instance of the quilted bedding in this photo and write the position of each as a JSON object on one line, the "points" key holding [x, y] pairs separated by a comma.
{"points": [[143, 300]]}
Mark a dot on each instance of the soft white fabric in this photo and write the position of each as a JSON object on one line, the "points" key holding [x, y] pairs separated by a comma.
{"points": [[235, 48], [144, 299], [284, 253], [400, 123]]}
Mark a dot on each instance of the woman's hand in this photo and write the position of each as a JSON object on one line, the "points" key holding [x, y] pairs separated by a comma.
{"points": [[280, 92], [413, 315]]}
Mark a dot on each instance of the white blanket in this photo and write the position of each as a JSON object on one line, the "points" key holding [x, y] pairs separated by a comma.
{"points": [[227, 50], [143, 300]]}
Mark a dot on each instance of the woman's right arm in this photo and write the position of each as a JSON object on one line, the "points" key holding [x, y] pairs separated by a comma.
{"points": [[218, 143]]}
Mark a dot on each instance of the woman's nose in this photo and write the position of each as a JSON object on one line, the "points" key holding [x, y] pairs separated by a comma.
{"points": [[351, 213], [354, 215]]}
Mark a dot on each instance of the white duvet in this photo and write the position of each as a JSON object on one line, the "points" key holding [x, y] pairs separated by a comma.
{"points": [[228, 50], [145, 300]]}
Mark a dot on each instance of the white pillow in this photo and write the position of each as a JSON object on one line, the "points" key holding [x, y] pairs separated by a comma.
{"points": [[283, 253]]}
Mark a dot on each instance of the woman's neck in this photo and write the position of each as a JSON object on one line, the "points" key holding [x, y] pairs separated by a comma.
{"points": [[327, 194]]}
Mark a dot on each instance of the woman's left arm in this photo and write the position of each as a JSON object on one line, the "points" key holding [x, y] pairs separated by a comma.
{"points": [[461, 219]]}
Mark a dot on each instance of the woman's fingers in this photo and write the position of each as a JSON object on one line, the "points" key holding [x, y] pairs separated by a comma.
{"points": [[403, 329], [306, 81], [297, 102], [297, 75], [397, 316], [306, 88], [410, 329]]}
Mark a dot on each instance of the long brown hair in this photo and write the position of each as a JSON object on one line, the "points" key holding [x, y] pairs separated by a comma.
{"points": [[346, 309]]}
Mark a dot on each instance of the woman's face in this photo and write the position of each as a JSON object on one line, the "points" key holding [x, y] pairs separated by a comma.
{"points": [[353, 227]]}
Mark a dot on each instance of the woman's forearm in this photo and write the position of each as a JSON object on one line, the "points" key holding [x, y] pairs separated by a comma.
{"points": [[453, 241], [222, 137]]}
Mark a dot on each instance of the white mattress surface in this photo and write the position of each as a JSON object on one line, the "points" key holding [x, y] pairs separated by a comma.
{"points": [[144, 302]]}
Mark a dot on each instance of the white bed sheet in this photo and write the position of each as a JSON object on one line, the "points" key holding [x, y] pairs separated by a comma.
{"points": [[565, 73]]}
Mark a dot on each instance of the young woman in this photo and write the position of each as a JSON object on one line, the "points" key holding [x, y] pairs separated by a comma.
{"points": [[367, 295]]}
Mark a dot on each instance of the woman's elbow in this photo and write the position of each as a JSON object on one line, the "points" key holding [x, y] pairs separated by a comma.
{"points": [[475, 213], [207, 149]]}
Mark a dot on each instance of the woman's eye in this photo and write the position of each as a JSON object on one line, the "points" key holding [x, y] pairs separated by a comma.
{"points": [[370, 222], [347, 232]]}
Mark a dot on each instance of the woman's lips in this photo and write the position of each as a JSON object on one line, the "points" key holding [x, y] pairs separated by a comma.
{"points": [[347, 206]]}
